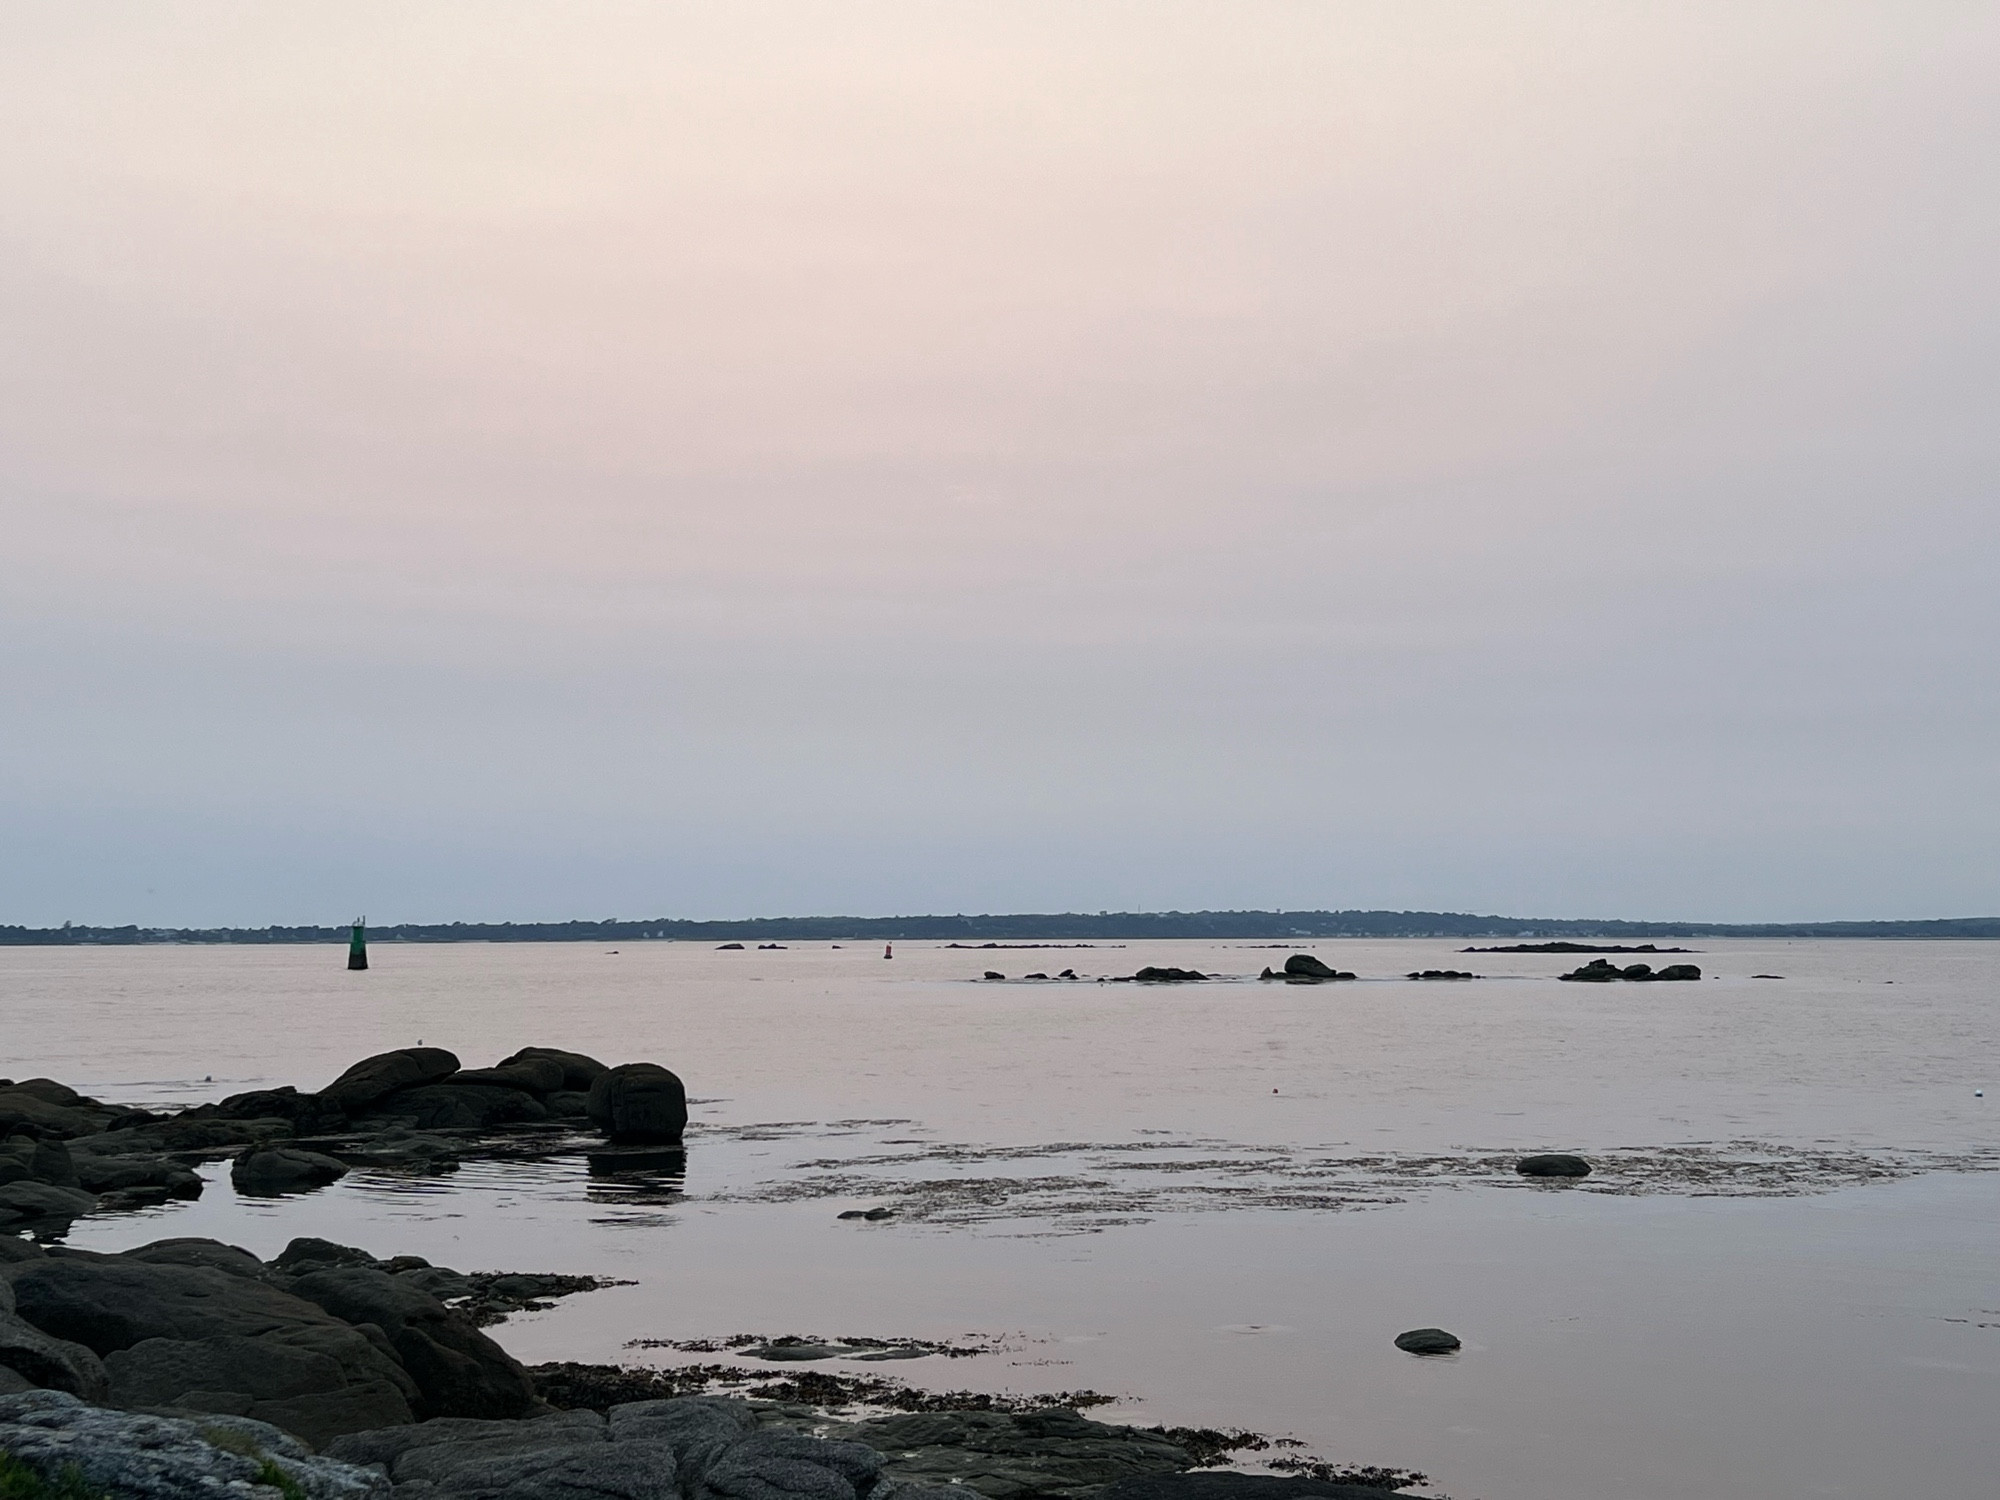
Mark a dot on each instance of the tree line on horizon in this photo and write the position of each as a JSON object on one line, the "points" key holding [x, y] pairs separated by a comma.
{"points": [[1018, 927]]}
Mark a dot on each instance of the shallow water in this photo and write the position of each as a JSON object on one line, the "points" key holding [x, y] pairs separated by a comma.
{"points": [[1219, 1202]]}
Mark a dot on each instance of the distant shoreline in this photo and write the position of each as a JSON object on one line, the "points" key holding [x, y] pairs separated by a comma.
{"points": [[1018, 927]]}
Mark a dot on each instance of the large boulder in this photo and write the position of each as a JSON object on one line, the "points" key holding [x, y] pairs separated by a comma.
{"points": [[135, 1456], [284, 1169], [1553, 1164], [639, 1103], [374, 1078], [388, 1446], [21, 1105], [191, 1251], [112, 1174], [579, 1070], [1015, 1456], [458, 1370], [777, 1465]]}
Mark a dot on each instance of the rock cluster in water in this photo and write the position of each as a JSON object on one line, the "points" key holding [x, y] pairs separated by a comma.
{"points": [[1603, 971], [1303, 968], [63, 1155]]}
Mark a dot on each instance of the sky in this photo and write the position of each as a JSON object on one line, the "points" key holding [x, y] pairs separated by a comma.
{"points": [[493, 461]]}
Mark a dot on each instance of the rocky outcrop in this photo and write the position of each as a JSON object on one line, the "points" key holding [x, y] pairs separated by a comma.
{"points": [[579, 1072], [134, 1456], [1163, 974], [28, 1202], [1303, 968], [640, 1104]]}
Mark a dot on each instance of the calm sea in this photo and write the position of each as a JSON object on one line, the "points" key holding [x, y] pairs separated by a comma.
{"points": [[1219, 1202]]}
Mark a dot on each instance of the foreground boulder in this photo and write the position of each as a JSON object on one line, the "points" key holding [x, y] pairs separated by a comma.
{"points": [[139, 1457], [640, 1104], [31, 1202]]}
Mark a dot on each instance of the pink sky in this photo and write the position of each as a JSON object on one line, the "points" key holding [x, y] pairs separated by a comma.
{"points": [[488, 460]]}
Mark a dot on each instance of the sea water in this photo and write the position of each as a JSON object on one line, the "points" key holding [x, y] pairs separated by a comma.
{"points": [[1217, 1202]]}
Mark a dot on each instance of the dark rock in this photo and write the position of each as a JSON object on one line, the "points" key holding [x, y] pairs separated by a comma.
{"points": [[579, 1071], [777, 1465], [728, 947], [198, 1252], [283, 1169], [374, 1078], [1552, 1164], [1305, 965], [1691, 971], [19, 1107], [307, 1253], [535, 1076], [451, 1106], [31, 1202], [136, 1456], [1008, 1456], [1153, 974], [111, 1174], [293, 1383], [386, 1446], [569, 1104], [698, 1429], [14, 1249], [1597, 971], [1213, 1484], [50, 1362], [1441, 974], [49, 1091], [458, 1370], [1427, 1341], [308, 1114], [640, 1103], [994, 974]]}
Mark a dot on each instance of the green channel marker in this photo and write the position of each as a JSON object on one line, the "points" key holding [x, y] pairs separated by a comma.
{"points": [[357, 946]]}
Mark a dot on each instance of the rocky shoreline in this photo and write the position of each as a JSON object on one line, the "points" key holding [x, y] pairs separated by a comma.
{"points": [[187, 1368]]}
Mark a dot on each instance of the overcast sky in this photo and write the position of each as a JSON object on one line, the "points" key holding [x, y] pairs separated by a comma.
{"points": [[528, 461]]}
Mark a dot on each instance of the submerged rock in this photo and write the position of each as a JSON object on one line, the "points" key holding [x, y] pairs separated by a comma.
{"points": [[1214, 1484], [1161, 974]]}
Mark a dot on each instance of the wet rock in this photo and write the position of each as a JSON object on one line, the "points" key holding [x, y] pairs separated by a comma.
{"points": [[374, 1078], [994, 974], [1603, 971], [1441, 974], [287, 1382], [641, 1103], [1305, 966], [1553, 1164], [1157, 974], [307, 1114], [1682, 972], [872, 1215], [1013, 1456], [284, 1169], [134, 1456], [1597, 971], [1427, 1341]]}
